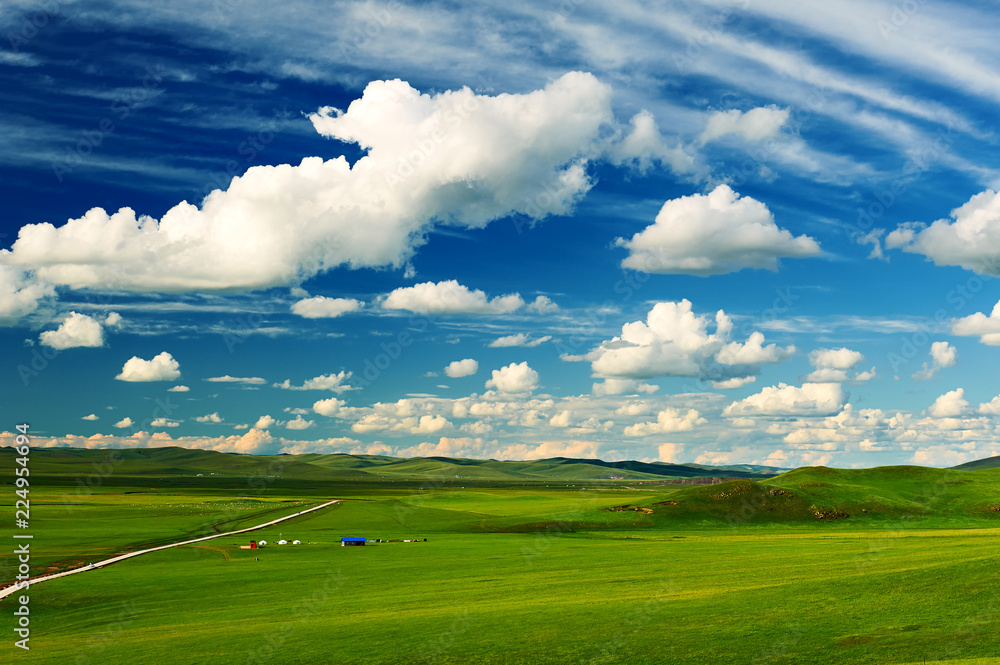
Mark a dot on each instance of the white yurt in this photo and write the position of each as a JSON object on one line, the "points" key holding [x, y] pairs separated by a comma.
{"points": [[282, 542], [261, 542], [296, 542]]}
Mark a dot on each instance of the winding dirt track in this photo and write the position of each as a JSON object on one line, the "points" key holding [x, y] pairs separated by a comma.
{"points": [[121, 557]]}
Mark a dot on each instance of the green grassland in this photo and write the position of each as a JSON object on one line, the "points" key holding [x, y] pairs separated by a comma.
{"points": [[890, 565]]}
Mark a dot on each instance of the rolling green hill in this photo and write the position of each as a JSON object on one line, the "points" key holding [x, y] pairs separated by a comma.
{"points": [[174, 463], [987, 463], [812, 494]]}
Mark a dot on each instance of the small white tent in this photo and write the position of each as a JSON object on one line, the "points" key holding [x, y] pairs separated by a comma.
{"points": [[296, 542], [282, 542], [261, 542]]}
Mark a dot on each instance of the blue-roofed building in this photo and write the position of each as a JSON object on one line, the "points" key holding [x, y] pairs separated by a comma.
{"points": [[344, 542]]}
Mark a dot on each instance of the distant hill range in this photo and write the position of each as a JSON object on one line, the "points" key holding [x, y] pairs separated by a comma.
{"points": [[987, 463], [175, 461]]}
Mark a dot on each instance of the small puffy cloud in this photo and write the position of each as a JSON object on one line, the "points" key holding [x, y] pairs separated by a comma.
{"points": [[674, 341], [162, 367], [644, 145], [449, 297], [76, 330], [515, 378], [178, 389], [986, 328], [91, 417], [812, 399], [299, 423], [842, 358], [943, 355], [622, 387], [668, 420], [833, 365], [113, 320], [952, 404], [265, 422], [460, 368], [246, 380], [19, 294], [321, 307], [328, 407], [124, 422], [753, 352], [210, 418], [165, 422], [713, 234], [520, 339], [543, 305], [757, 124], [969, 239], [332, 382], [735, 382]]}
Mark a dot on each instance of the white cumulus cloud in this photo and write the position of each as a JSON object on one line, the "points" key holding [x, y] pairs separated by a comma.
{"points": [[449, 297], [162, 367], [515, 378], [452, 157], [812, 399], [76, 330], [969, 239], [986, 328], [210, 418], [332, 382], [952, 404], [460, 368], [674, 341], [320, 307], [668, 420], [757, 124], [713, 234]]}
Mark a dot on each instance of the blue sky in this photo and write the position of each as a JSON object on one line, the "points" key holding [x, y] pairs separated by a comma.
{"points": [[722, 232]]}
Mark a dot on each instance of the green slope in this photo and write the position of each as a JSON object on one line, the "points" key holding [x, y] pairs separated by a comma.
{"points": [[821, 494]]}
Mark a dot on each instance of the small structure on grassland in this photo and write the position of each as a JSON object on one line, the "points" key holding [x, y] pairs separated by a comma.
{"points": [[251, 546], [282, 542], [296, 542], [350, 542]]}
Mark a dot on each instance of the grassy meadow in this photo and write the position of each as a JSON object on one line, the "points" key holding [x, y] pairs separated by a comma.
{"points": [[899, 567]]}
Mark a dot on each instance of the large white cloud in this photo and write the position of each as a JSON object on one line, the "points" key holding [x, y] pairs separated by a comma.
{"points": [[460, 368], [812, 399], [449, 297], [674, 341], [162, 367], [453, 157], [713, 234], [987, 328], [515, 378], [970, 239], [319, 307], [75, 330]]}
